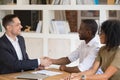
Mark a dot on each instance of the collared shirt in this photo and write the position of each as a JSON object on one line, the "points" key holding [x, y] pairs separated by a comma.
{"points": [[16, 47], [86, 53]]}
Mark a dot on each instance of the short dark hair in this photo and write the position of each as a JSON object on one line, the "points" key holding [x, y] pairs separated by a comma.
{"points": [[91, 24], [111, 28], [8, 19]]}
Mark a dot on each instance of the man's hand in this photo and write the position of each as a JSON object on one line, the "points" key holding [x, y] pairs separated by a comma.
{"points": [[45, 62], [40, 67], [62, 67]]}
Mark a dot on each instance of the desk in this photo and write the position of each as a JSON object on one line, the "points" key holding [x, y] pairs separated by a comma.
{"points": [[13, 75]]}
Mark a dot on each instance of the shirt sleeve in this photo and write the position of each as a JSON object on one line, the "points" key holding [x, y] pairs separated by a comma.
{"points": [[38, 61], [88, 61], [99, 52], [98, 57], [74, 55], [116, 60]]}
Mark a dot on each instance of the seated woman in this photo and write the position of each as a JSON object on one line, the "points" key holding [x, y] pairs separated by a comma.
{"points": [[109, 55]]}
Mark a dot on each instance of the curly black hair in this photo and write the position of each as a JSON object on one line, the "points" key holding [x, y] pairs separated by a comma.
{"points": [[111, 28]]}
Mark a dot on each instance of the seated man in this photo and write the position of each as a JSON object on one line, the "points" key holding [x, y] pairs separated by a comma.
{"points": [[13, 56], [86, 52], [108, 56]]}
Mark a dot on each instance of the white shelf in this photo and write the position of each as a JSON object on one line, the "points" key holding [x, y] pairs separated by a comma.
{"points": [[60, 7], [96, 18], [48, 15], [41, 35]]}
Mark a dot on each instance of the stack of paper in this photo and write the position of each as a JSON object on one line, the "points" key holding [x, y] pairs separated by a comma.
{"points": [[110, 2], [56, 2], [61, 2], [87, 1], [60, 27], [46, 72], [32, 76], [39, 27], [117, 2], [39, 75], [65, 2]]}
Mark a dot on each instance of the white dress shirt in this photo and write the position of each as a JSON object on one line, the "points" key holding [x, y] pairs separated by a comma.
{"points": [[16, 47], [86, 53]]}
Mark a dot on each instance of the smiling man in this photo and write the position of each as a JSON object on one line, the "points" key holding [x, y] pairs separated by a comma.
{"points": [[87, 50], [13, 56]]}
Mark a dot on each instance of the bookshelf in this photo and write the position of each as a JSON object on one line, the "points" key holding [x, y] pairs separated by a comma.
{"points": [[46, 44]]}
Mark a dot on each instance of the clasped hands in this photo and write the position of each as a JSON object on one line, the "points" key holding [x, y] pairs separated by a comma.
{"points": [[44, 62]]}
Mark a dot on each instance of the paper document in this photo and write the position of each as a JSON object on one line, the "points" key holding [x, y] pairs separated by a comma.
{"points": [[31, 76], [46, 72]]}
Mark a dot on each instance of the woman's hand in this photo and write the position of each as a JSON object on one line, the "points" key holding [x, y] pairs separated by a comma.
{"points": [[72, 76]]}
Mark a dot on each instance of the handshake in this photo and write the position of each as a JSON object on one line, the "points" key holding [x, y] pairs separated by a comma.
{"points": [[45, 62]]}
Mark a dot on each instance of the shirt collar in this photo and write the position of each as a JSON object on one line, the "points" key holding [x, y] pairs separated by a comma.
{"points": [[10, 39], [92, 41]]}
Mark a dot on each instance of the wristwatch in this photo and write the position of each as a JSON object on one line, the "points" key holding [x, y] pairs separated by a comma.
{"points": [[83, 77]]}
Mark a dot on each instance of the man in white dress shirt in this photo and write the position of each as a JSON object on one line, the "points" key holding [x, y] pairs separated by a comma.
{"points": [[87, 50]]}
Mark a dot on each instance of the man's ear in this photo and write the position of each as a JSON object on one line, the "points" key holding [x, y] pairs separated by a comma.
{"points": [[89, 32], [8, 27]]}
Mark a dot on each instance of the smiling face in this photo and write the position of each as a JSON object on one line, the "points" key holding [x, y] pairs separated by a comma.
{"points": [[15, 27], [102, 37], [83, 32]]}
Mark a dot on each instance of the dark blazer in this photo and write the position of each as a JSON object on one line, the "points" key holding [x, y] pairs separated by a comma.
{"points": [[8, 58]]}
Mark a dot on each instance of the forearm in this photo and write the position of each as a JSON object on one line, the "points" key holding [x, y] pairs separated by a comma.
{"points": [[111, 70], [61, 61], [72, 69], [26, 64], [97, 77], [90, 77], [88, 72], [91, 71]]}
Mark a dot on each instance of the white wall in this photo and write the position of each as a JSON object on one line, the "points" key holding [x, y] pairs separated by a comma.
{"points": [[56, 47]]}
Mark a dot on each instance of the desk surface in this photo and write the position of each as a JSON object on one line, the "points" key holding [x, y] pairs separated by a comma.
{"points": [[13, 75]]}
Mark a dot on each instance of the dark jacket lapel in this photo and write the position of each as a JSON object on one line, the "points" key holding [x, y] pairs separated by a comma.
{"points": [[9, 45], [22, 46]]}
